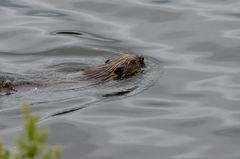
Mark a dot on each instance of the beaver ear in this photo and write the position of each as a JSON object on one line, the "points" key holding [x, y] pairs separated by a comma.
{"points": [[119, 71], [107, 61]]}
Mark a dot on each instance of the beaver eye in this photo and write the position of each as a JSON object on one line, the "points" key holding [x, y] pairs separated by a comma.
{"points": [[133, 62], [119, 71], [107, 61]]}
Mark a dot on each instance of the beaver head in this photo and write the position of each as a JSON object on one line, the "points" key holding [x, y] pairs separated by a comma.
{"points": [[116, 68]]}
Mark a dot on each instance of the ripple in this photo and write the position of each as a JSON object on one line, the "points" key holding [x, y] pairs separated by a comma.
{"points": [[222, 85], [157, 103], [229, 132], [219, 53], [233, 34], [84, 35], [145, 13], [67, 68], [193, 123], [68, 33], [146, 136], [45, 13], [14, 4], [162, 1], [192, 111]]}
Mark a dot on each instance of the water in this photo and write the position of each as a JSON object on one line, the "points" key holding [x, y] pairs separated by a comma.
{"points": [[191, 111]]}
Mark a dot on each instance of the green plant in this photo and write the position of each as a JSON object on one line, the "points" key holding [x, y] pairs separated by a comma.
{"points": [[32, 145]]}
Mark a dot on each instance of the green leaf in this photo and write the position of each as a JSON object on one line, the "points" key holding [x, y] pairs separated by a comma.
{"points": [[32, 145]]}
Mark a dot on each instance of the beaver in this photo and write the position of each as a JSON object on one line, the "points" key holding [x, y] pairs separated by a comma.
{"points": [[116, 68]]}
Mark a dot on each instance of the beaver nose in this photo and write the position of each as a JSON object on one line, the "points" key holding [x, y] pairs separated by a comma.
{"points": [[141, 59]]}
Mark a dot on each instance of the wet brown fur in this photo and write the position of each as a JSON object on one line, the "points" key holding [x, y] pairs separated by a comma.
{"points": [[116, 68]]}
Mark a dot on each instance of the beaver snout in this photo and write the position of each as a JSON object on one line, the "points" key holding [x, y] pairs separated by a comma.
{"points": [[141, 60]]}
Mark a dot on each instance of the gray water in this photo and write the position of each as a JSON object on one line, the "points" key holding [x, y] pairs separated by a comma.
{"points": [[185, 105]]}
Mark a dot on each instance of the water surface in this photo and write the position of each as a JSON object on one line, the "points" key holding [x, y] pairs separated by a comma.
{"points": [[191, 111]]}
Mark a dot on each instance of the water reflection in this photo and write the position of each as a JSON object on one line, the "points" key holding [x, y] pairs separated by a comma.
{"points": [[146, 136], [14, 4], [219, 53], [229, 132]]}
